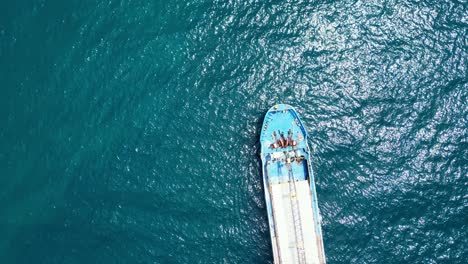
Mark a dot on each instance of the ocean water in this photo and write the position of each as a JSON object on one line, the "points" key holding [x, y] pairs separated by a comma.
{"points": [[129, 129]]}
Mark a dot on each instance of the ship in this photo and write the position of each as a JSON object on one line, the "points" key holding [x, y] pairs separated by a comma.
{"points": [[290, 193]]}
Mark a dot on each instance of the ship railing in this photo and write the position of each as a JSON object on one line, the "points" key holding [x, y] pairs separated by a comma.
{"points": [[296, 216]]}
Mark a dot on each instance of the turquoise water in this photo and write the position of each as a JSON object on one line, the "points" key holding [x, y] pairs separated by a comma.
{"points": [[129, 129]]}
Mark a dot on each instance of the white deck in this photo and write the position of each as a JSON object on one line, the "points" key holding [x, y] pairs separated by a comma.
{"points": [[287, 246]]}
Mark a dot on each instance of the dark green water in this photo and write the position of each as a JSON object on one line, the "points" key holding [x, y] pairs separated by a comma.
{"points": [[129, 129]]}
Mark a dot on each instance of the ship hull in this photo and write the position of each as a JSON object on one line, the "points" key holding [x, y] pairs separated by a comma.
{"points": [[289, 184]]}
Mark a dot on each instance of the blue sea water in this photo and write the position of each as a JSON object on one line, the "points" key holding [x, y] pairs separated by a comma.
{"points": [[129, 129]]}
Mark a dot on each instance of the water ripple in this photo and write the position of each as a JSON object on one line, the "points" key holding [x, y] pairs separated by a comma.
{"points": [[131, 128]]}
